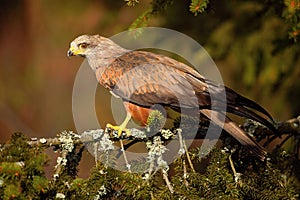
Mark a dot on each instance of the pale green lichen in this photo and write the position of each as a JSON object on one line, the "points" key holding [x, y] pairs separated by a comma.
{"points": [[67, 140], [155, 151]]}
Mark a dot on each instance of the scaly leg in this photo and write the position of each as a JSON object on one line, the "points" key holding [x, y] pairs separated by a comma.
{"points": [[122, 127]]}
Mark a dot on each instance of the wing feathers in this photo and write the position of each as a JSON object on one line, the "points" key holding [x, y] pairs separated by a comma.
{"points": [[235, 132], [148, 80]]}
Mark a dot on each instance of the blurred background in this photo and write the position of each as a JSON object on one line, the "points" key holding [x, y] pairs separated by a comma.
{"points": [[249, 43]]}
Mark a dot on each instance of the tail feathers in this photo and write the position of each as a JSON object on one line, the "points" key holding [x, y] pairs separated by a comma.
{"points": [[244, 112], [239, 105], [236, 132], [236, 99], [251, 104]]}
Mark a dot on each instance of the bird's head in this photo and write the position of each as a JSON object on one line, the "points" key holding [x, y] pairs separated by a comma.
{"points": [[86, 45]]}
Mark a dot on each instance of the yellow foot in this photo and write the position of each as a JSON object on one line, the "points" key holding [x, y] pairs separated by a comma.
{"points": [[120, 130]]}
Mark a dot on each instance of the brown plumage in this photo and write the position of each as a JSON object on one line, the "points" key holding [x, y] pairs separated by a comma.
{"points": [[143, 79]]}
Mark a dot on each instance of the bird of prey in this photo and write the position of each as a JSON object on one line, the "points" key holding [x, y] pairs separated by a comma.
{"points": [[117, 69]]}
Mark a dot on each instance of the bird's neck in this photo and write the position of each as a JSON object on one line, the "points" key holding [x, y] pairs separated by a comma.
{"points": [[103, 59]]}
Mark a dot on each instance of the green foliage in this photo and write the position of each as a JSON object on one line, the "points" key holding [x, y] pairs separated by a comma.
{"points": [[131, 2], [155, 121], [291, 13], [289, 10], [214, 180], [214, 177], [11, 191], [198, 6], [157, 6], [22, 169], [254, 181], [142, 20]]}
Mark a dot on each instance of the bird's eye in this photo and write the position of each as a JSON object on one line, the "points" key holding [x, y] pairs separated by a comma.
{"points": [[83, 45]]}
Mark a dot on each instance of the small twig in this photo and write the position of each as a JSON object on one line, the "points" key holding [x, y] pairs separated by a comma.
{"points": [[232, 165], [125, 157], [188, 157], [61, 161], [236, 175], [185, 174], [95, 153], [183, 148], [165, 177], [48, 142], [151, 168]]}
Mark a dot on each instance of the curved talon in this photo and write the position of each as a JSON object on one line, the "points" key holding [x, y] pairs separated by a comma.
{"points": [[120, 129]]}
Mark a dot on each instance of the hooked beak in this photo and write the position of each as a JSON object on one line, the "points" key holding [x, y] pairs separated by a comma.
{"points": [[75, 52], [70, 53]]}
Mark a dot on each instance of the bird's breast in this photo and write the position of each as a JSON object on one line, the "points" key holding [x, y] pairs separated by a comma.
{"points": [[138, 113]]}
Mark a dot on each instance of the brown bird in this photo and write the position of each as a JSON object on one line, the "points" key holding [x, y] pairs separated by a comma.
{"points": [[143, 79]]}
